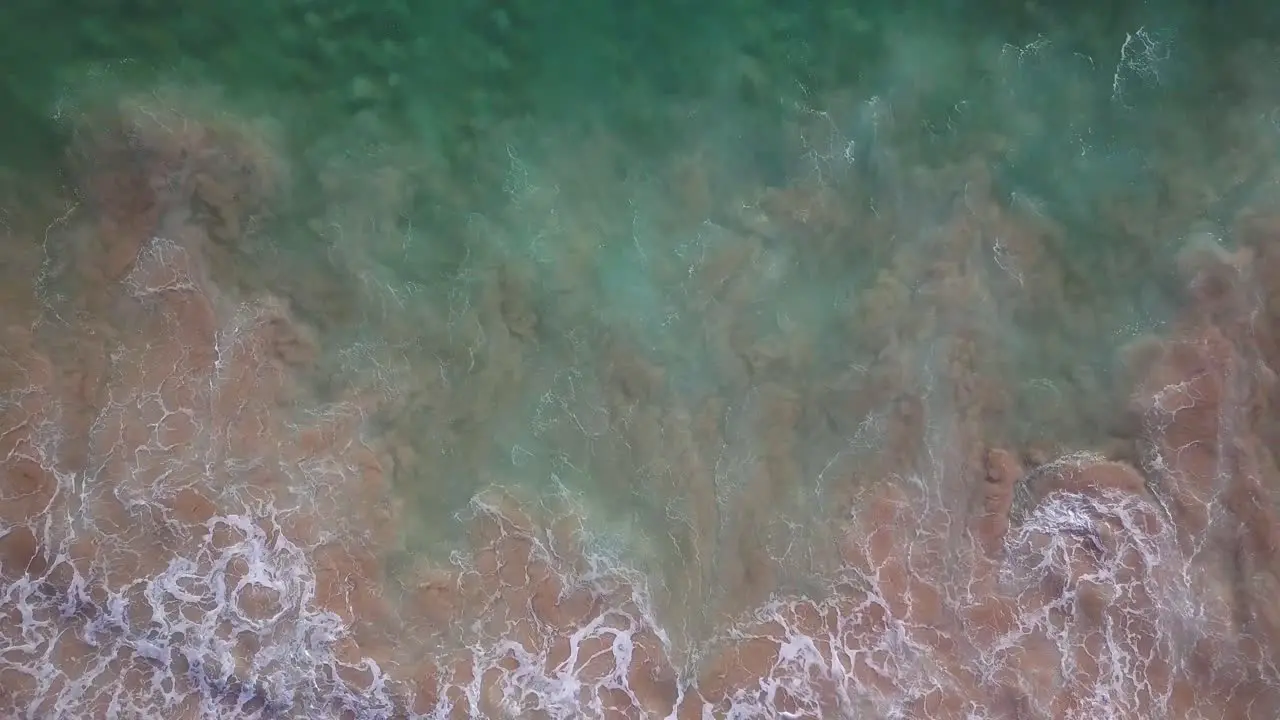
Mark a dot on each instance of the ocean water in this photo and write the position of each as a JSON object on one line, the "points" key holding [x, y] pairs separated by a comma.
{"points": [[678, 360]]}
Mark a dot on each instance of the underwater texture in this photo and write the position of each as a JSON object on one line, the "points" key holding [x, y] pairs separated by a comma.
{"points": [[940, 386]]}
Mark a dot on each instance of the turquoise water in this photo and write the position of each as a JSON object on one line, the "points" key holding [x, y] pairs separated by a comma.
{"points": [[690, 360]]}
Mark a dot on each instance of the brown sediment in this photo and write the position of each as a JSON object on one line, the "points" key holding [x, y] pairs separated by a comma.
{"points": [[188, 525]]}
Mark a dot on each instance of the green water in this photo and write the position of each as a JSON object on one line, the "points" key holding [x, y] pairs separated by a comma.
{"points": [[1069, 112], [690, 262], [453, 70]]}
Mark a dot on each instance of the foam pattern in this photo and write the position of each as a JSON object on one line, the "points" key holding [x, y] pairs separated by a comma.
{"points": [[189, 530]]}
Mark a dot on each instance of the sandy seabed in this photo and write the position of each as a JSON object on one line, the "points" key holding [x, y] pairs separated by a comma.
{"points": [[627, 455]]}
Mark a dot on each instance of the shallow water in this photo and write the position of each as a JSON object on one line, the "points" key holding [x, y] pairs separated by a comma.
{"points": [[714, 362]]}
